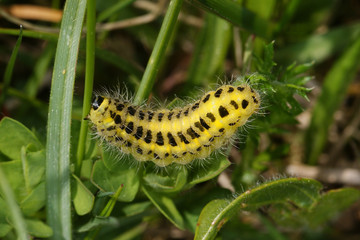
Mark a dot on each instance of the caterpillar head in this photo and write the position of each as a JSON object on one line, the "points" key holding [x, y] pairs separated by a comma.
{"points": [[98, 107], [97, 101]]}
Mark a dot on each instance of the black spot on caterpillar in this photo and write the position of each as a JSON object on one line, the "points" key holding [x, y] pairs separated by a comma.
{"points": [[179, 135]]}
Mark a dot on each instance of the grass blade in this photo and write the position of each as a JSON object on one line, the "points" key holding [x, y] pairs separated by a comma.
{"points": [[14, 210], [210, 52], [89, 80], [107, 13], [9, 68], [58, 131], [30, 33], [158, 52], [335, 86], [319, 47], [238, 15]]}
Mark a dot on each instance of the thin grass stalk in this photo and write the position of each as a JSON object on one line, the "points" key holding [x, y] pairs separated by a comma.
{"points": [[89, 81], [9, 69], [15, 214], [162, 41]]}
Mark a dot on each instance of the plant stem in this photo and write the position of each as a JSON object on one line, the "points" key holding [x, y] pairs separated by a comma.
{"points": [[14, 211], [158, 52], [9, 69], [89, 80]]}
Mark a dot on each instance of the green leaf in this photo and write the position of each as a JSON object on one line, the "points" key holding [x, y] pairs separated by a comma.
{"points": [[58, 206], [135, 208], [206, 229], [330, 204], [193, 202], [34, 168], [14, 175], [38, 229], [266, 65], [34, 201], [335, 86], [10, 68], [119, 62], [166, 206], [318, 48], [162, 41], [238, 15], [202, 172], [108, 181], [30, 33], [211, 48], [172, 180], [106, 212], [301, 192], [83, 199], [41, 67], [15, 215], [110, 11], [98, 222], [4, 229], [13, 136]]}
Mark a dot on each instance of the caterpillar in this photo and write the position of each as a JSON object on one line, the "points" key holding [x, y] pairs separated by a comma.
{"points": [[180, 135]]}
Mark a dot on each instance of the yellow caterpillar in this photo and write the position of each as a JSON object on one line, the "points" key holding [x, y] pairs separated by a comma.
{"points": [[179, 135]]}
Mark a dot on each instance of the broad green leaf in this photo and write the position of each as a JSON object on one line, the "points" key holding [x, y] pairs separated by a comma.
{"points": [[39, 229], [15, 216], [98, 222], [108, 181], [301, 192], [201, 172], [330, 204], [135, 208], [4, 229], [24, 176], [4, 224], [13, 136], [83, 199], [324, 209], [211, 220], [86, 169], [14, 175], [34, 168], [166, 206], [34, 201], [193, 203], [172, 180]]}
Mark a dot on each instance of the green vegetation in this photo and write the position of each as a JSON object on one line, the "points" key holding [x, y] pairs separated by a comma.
{"points": [[58, 182]]}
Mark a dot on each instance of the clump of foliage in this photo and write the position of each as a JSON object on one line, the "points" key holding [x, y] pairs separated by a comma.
{"points": [[64, 184]]}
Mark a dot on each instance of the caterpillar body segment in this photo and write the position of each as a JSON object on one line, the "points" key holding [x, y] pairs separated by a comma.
{"points": [[179, 135]]}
